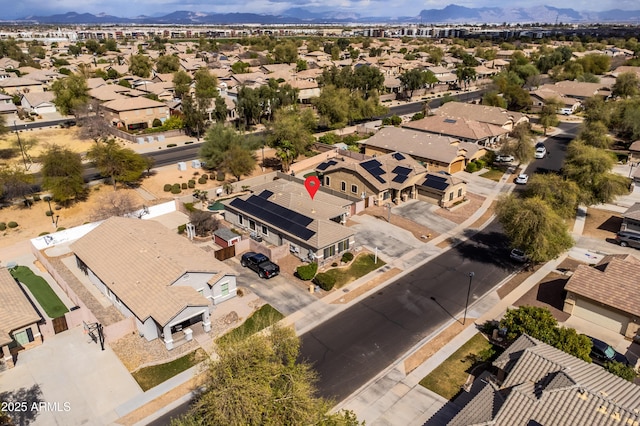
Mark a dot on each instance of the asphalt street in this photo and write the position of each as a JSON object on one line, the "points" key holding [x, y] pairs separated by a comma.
{"points": [[352, 347]]}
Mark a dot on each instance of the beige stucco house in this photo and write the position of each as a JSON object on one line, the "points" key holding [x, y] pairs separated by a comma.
{"points": [[18, 320], [134, 113], [152, 274]]}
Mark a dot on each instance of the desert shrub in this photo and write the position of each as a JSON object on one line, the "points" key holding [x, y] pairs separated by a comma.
{"points": [[49, 213], [184, 185], [220, 176], [3, 226], [36, 197], [167, 187], [12, 224], [46, 198], [62, 228], [307, 272], [202, 181], [334, 264], [192, 183], [43, 233], [212, 176], [189, 207], [175, 189], [325, 281], [171, 145], [156, 122], [347, 257], [188, 142], [472, 167], [182, 228]]}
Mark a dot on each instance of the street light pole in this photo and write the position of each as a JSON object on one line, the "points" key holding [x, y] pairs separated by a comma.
{"points": [[464, 319], [24, 158]]}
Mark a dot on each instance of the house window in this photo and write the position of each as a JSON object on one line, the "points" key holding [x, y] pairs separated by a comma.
{"points": [[264, 230], [343, 246], [329, 251], [450, 196], [224, 289], [460, 192], [354, 189], [343, 186], [327, 181], [252, 225], [240, 219], [386, 195]]}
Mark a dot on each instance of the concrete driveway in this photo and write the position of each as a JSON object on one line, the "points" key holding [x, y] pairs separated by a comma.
{"points": [[424, 213], [80, 383], [477, 184], [391, 240]]}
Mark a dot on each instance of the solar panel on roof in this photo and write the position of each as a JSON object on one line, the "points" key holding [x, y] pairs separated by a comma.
{"points": [[371, 164], [266, 194], [264, 213], [400, 178], [326, 164], [398, 156], [449, 120], [284, 212], [436, 182], [399, 170]]}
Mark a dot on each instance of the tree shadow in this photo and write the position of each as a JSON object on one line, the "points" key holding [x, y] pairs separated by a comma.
{"points": [[25, 403], [445, 310], [487, 247]]}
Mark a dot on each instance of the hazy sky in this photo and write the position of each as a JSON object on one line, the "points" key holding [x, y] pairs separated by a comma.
{"points": [[20, 8]]}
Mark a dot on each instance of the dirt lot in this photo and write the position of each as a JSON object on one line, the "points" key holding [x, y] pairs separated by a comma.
{"points": [[67, 138], [602, 224]]}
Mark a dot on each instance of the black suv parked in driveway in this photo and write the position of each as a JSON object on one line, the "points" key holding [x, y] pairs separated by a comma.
{"points": [[602, 352], [261, 264]]}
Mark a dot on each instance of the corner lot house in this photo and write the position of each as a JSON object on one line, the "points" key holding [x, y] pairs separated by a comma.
{"points": [[607, 294], [18, 320], [538, 384], [154, 275], [134, 113]]}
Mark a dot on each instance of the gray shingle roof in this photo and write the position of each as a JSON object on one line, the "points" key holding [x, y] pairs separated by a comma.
{"points": [[545, 386]]}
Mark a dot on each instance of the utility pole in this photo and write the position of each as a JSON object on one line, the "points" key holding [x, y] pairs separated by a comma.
{"points": [[24, 158]]}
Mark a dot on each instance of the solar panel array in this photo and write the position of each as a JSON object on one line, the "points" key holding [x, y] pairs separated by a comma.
{"points": [[373, 167], [326, 164], [436, 182], [400, 178], [276, 215], [402, 174], [266, 194], [398, 156]]}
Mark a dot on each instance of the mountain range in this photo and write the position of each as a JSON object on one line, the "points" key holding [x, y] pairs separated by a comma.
{"points": [[451, 14]]}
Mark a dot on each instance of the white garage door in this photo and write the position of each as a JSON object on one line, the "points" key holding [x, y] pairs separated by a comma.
{"points": [[601, 316]]}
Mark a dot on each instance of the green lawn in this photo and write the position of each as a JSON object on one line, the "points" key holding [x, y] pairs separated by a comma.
{"points": [[493, 174], [41, 290], [264, 317], [149, 377], [361, 266], [447, 379]]}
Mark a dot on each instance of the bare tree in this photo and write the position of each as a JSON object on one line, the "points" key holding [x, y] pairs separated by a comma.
{"points": [[116, 203], [204, 222], [93, 125]]}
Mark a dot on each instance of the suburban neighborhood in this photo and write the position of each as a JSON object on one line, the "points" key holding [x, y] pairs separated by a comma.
{"points": [[334, 225]]}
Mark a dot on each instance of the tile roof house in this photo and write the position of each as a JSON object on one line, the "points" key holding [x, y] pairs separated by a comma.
{"points": [[134, 113], [18, 320], [631, 218], [545, 386], [282, 214], [442, 189], [18, 85], [607, 294], [154, 275], [38, 102], [436, 152], [6, 104], [463, 129], [482, 113], [389, 177]]}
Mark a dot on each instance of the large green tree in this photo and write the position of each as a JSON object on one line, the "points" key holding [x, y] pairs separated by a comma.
{"points": [[291, 132], [15, 182], [415, 79], [285, 52], [596, 134], [181, 83], [627, 85], [168, 64], [590, 168], [62, 173], [239, 161], [121, 165], [521, 144], [534, 227], [561, 194], [258, 381], [140, 65], [219, 140], [71, 93], [549, 114]]}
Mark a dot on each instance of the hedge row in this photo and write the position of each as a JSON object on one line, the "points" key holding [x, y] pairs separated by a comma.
{"points": [[325, 281], [307, 272]]}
